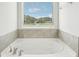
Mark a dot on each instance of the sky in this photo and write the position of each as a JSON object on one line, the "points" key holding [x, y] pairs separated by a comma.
{"points": [[38, 9]]}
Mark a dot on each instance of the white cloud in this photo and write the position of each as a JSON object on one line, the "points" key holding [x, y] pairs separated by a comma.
{"points": [[33, 10], [50, 15]]}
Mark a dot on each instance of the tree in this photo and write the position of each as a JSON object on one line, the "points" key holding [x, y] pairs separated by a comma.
{"points": [[45, 20], [29, 19], [32, 20]]}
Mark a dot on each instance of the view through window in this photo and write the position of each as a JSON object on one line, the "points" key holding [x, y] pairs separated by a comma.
{"points": [[38, 14]]}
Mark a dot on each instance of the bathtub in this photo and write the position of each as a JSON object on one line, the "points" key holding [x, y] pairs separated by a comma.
{"points": [[39, 47]]}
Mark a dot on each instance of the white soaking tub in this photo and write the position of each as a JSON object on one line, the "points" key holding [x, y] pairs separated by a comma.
{"points": [[39, 47]]}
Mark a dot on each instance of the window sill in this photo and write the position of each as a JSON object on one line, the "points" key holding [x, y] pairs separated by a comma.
{"points": [[35, 27]]}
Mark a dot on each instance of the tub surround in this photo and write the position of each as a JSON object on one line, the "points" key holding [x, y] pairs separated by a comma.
{"points": [[38, 33], [7, 39], [70, 40], [49, 47]]}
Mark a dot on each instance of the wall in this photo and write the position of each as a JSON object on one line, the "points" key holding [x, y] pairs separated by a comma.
{"points": [[8, 17], [69, 18], [68, 24], [8, 23]]}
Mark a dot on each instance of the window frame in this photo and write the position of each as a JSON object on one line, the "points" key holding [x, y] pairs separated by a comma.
{"points": [[20, 15]]}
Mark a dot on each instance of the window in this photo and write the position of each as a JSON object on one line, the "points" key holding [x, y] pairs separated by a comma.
{"points": [[38, 14]]}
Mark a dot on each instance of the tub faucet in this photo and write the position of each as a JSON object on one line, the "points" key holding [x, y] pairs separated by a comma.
{"points": [[20, 52], [15, 50], [10, 49]]}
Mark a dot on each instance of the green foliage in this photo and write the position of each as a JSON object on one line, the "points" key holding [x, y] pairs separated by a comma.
{"points": [[32, 20], [29, 20]]}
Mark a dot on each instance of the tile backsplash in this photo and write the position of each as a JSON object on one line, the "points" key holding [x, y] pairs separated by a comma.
{"points": [[38, 33], [70, 40], [5, 40]]}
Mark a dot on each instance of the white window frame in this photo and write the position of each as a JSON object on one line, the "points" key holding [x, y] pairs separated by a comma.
{"points": [[20, 15]]}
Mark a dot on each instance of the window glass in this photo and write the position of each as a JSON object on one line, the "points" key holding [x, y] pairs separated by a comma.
{"points": [[38, 14]]}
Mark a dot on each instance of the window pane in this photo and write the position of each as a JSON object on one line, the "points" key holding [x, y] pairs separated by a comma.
{"points": [[38, 13]]}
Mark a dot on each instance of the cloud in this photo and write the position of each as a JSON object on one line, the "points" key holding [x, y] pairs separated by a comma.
{"points": [[40, 16], [33, 10], [50, 15]]}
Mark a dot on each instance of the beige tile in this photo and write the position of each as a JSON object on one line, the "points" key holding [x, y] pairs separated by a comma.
{"points": [[38, 33], [70, 40], [5, 40]]}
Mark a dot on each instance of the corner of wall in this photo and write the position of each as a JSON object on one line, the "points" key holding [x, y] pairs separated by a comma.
{"points": [[70, 40]]}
